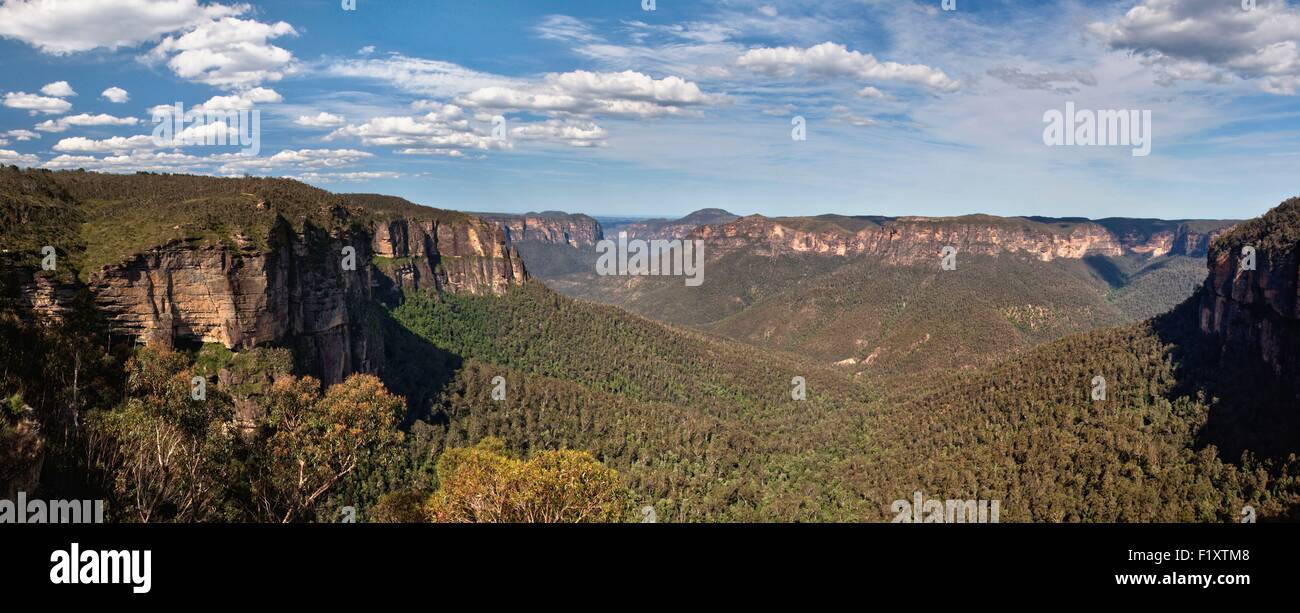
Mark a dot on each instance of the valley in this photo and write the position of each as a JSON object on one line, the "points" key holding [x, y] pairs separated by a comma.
{"points": [[966, 384]]}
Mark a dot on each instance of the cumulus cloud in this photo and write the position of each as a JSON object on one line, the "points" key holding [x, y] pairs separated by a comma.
{"points": [[453, 153], [33, 103], [835, 60], [85, 119], [68, 26], [22, 135], [229, 53], [320, 120], [627, 93], [81, 144], [575, 134], [115, 95], [1205, 40], [344, 177], [134, 161], [445, 127], [243, 100], [871, 92], [10, 157], [208, 43], [300, 158], [58, 89]]}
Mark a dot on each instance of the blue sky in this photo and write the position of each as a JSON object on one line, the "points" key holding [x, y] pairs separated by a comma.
{"points": [[610, 109]]}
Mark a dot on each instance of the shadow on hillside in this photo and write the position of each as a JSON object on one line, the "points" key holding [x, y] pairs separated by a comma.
{"points": [[1251, 408], [1107, 270], [415, 368]]}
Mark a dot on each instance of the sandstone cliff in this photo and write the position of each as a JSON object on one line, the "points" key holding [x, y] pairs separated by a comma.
{"points": [[469, 257], [920, 240], [250, 262], [575, 230], [1254, 315]]}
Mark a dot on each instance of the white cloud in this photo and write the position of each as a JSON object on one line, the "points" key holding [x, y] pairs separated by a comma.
{"points": [[229, 53], [68, 26], [1200, 39], [84, 119], [842, 114], [454, 153], [81, 144], [575, 134], [768, 10], [34, 104], [366, 50], [344, 177], [428, 77], [116, 95], [134, 161], [208, 44], [784, 110], [321, 120], [244, 100], [446, 128], [566, 29], [22, 135], [50, 125], [58, 89], [871, 92], [626, 93], [101, 119], [835, 60], [8, 156], [301, 158]]}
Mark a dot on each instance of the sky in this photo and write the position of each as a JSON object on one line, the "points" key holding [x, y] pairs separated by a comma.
{"points": [[641, 107]]}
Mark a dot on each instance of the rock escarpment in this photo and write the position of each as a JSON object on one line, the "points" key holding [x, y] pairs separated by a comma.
{"points": [[183, 260], [552, 227], [1253, 315], [468, 257], [919, 240]]}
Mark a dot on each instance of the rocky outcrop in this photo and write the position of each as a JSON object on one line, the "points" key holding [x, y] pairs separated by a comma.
{"points": [[1253, 315], [1158, 237], [303, 292], [243, 262], [306, 292], [471, 257], [575, 230], [920, 240]]}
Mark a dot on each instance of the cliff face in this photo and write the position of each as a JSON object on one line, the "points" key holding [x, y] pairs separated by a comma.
{"points": [[471, 257], [297, 293], [245, 263], [1255, 314], [557, 228], [920, 240]]}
